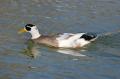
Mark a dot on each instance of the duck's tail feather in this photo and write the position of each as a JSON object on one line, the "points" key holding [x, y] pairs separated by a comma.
{"points": [[89, 36]]}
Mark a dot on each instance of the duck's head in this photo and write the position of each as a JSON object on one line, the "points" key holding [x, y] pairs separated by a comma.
{"points": [[32, 29]]}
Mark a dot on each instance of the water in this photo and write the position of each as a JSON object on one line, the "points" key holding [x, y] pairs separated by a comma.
{"points": [[19, 59]]}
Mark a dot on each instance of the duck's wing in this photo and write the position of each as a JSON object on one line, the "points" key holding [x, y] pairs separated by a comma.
{"points": [[65, 36], [71, 36], [75, 40]]}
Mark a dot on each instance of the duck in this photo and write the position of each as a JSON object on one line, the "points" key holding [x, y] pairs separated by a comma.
{"points": [[61, 40]]}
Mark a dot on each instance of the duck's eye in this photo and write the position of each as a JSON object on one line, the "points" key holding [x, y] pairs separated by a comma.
{"points": [[28, 28]]}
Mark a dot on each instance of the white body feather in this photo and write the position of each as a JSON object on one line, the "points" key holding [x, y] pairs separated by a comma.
{"points": [[73, 41]]}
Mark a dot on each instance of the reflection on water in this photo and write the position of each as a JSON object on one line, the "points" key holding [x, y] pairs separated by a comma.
{"points": [[33, 51], [70, 52]]}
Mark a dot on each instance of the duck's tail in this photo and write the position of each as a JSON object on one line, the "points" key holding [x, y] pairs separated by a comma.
{"points": [[89, 36]]}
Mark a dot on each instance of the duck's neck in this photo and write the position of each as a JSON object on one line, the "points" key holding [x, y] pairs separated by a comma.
{"points": [[35, 34]]}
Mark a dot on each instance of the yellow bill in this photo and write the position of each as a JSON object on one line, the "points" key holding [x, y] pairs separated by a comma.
{"points": [[22, 31]]}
